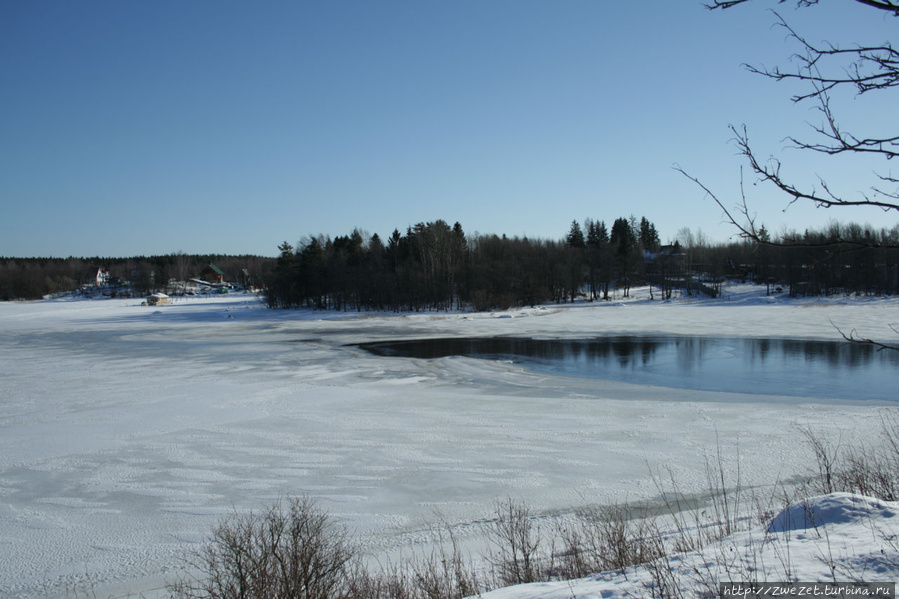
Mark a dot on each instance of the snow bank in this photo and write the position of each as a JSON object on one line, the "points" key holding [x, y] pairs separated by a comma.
{"points": [[853, 539], [837, 508]]}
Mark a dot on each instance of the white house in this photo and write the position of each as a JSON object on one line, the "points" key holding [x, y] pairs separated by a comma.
{"points": [[99, 276]]}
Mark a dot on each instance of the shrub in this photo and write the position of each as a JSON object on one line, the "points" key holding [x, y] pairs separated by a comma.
{"points": [[290, 551], [866, 470], [606, 538], [516, 544]]}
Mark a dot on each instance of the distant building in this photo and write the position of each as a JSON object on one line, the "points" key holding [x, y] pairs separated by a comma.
{"points": [[212, 274], [98, 276], [671, 258], [157, 299]]}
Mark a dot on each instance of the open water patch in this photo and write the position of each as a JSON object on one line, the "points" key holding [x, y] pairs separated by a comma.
{"points": [[789, 367]]}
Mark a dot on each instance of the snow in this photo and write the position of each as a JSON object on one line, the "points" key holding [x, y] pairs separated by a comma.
{"points": [[126, 432], [853, 539], [836, 508]]}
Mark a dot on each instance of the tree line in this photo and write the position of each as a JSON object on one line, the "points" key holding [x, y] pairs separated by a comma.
{"points": [[435, 266]]}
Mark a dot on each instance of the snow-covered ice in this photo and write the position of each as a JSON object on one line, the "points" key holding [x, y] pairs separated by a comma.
{"points": [[127, 431]]}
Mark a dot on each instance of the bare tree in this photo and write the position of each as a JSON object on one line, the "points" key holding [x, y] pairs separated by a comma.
{"points": [[823, 69], [181, 263], [863, 68]]}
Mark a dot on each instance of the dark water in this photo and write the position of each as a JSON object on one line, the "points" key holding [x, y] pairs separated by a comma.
{"points": [[815, 369]]}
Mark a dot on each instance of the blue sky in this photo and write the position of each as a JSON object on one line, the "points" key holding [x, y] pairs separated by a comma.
{"points": [[131, 128]]}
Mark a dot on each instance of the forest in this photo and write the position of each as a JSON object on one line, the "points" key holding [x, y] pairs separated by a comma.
{"points": [[435, 266]]}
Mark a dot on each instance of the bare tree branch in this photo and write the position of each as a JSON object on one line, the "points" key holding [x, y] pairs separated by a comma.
{"points": [[886, 5], [869, 68], [845, 142], [728, 4], [770, 172], [746, 228], [854, 337], [891, 6]]}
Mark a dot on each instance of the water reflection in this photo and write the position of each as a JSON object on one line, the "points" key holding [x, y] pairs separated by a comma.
{"points": [[816, 369]]}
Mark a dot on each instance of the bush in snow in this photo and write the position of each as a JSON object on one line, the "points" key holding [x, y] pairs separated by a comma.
{"points": [[286, 551]]}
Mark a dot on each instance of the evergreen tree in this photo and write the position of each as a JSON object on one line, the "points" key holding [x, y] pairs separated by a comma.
{"points": [[648, 236], [596, 233], [575, 237], [312, 273], [624, 244]]}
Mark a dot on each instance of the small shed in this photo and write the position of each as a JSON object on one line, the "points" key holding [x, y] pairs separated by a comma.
{"points": [[157, 299], [212, 274]]}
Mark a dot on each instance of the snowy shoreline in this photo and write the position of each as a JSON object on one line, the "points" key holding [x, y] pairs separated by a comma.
{"points": [[126, 432]]}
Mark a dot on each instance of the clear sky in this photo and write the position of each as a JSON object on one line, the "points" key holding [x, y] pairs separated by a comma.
{"points": [[131, 128]]}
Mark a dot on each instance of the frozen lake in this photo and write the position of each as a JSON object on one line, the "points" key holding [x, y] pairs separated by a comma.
{"points": [[773, 367], [127, 432]]}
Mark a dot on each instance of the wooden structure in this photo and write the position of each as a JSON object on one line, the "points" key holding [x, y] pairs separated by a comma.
{"points": [[212, 274], [157, 299]]}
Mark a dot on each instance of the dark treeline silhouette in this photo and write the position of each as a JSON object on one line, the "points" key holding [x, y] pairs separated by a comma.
{"points": [[33, 278], [842, 258], [434, 266]]}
